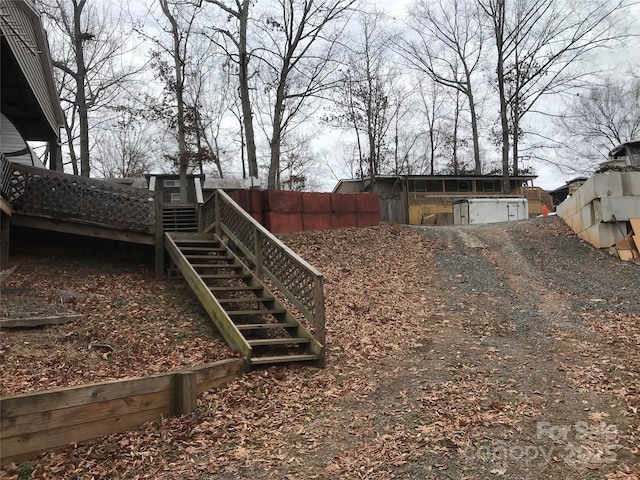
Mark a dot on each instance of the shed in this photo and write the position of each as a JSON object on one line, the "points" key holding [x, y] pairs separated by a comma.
{"points": [[469, 211]]}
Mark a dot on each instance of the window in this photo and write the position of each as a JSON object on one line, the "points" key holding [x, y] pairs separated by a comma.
{"points": [[464, 186], [487, 186], [419, 186], [434, 185], [175, 197], [171, 183]]}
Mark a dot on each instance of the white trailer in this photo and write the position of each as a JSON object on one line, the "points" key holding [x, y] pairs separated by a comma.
{"points": [[471, 211]]}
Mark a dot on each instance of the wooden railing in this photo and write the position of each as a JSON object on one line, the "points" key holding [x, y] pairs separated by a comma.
{"points": [[536, 193], [298, 281], [45, 193]]}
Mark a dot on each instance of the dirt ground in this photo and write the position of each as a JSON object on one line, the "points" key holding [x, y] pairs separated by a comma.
{"points": [[498, 351]]}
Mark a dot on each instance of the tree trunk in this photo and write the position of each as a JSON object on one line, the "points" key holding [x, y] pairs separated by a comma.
{"points": [[499, 25], [81, 81], [177, 63], [456, 120], [276, 135], [474, 132], [247, 114], [514, 147]]}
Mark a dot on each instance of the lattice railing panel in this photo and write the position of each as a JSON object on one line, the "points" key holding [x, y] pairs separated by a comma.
{"points": [[293, 276], [208, 212], [68, 197], [239, 225]]}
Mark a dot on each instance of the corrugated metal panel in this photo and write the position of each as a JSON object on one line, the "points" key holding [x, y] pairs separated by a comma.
{"points": [[24, 33], [11, 141]]}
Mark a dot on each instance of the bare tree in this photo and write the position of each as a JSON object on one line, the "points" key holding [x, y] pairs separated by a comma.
{"points": [[124, 147], [89, 47], [238, 52], [299, 39], [539, 46], [446, 44], [432, 101], [366, 93], [599, 119], [178, 52]]}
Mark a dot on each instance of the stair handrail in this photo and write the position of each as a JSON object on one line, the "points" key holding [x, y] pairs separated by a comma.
{"points": [[46, 193], [296, 279]]}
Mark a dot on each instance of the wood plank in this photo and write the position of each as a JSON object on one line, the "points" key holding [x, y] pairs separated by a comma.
{"points": [[207, 276], [230, 266], [218, 373], [245, 299], [23, 436], [283, 359], [278, 341], [236, 289], [6, 208], [73, 396], [87, 230], [61, 417], [29, 443], [9, 322], [260, 326], [194, 237], [255, 312]]}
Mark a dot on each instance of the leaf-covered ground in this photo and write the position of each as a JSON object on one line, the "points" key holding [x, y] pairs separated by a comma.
{"points": [[502, 351]]}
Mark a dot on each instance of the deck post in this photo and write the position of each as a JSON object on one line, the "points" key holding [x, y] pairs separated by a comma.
{"points": [[5, 230], [318, 302], [218, 222], [257, 251], [159, 235], [186, 388]]}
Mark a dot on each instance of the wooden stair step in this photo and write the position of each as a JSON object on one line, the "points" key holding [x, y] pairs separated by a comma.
{"points": [[216, 265], [283, 359], [209, 257], [265, 326], [245, 299], [255, 312], [210, 276], [195, 241], [245, 288], [202, 249], [278, 341]]}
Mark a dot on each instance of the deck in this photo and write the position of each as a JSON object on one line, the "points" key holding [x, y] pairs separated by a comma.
{"points": [[267, 302]]}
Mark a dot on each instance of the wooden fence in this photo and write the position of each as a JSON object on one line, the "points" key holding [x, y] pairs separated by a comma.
{"points": [[32, 423]]}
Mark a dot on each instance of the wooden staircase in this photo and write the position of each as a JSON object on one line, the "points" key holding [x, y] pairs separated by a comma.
{"points": [[247, 314]]}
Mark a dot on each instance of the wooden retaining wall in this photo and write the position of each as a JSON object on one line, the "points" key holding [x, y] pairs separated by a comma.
{"points": [[32, 423]]}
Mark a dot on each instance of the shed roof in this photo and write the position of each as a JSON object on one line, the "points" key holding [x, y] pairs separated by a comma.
{"points": [[393, 178]]}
